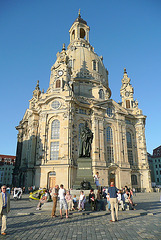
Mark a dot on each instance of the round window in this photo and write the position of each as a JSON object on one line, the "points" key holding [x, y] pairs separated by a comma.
{"points": [[55, 104]]}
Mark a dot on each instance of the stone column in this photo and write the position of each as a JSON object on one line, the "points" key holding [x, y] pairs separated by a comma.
{"points": [[95, 144]]}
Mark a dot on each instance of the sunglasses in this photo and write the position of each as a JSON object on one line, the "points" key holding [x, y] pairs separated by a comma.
{"points": [[3, 188]]}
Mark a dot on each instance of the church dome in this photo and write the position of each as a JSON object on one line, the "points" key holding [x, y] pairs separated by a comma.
{"points": [[86, 63], [86, 66]]}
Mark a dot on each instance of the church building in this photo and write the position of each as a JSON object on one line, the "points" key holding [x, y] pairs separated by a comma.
{"points": [[49, 132]]}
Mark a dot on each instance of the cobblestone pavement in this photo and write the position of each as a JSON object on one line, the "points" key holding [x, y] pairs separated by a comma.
{"points": [[24, 222]]}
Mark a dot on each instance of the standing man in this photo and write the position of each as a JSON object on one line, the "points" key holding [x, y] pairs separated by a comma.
{"points": [[54, 196], [4, 208], [63, 202], [113, 201]]}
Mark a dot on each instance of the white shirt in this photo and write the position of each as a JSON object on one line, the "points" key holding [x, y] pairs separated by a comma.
{"points": [[108, 197], [96, 178], [4, 198], [81, 197], [62, 193], [119, 196]]}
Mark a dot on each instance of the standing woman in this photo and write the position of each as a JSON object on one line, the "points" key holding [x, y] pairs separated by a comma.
{"points": [[4, 208], [69, 200], [96, 179]]}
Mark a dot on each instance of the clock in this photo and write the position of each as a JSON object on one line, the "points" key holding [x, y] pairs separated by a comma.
{"points": [[127, 94], [60, 72]]}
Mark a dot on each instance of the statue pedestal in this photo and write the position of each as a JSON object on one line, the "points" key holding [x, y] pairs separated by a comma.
{"points": [[84, 172]]}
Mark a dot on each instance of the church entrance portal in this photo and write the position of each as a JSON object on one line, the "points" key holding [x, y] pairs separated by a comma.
{"points": [[52, 179], [111, 178]]}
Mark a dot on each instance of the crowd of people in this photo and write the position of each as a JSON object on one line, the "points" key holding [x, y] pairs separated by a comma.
{"points": [[111, 196], [97, 202]]}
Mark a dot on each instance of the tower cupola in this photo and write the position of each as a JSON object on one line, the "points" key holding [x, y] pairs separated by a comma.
{"points": [[79, 30], [127, 93]]}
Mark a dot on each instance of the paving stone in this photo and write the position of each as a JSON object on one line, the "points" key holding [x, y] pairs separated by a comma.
{"points": [[144, 223]]}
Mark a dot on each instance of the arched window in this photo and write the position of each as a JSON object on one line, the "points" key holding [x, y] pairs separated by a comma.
{"points": [[54, 150], [81, 125], [134, 179], [70, 63], [52, 174], [82, 33], [101, 94], [57, 84], [129, 148], [109, 112], [55, 129], [127, 104], [109, 139], [54, 142], [109, 135], [73, 35], [94, 65], [129, 141]]}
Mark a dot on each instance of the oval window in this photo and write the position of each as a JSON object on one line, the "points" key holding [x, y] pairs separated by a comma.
{"points": [[55, 104]]}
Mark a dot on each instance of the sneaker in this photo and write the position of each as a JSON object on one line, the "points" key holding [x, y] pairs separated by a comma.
{"points": [[37, 208]]}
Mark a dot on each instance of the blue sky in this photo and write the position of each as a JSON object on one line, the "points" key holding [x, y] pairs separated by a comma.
{"points": [[127, 33]]}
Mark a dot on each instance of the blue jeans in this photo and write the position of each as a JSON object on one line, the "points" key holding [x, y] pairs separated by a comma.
{"points": [[109, 205]]}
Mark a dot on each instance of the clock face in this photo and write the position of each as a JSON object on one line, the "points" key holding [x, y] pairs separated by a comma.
{"points": [[60, 72], [127, 94]]}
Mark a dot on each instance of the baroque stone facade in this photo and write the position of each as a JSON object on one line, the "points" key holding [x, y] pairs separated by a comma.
{"points": [[48, 134]]}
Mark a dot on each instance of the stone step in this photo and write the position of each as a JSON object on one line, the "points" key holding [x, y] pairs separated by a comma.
{"points": [[48, 206]]}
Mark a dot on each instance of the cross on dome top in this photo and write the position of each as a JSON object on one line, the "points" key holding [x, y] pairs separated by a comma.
{"points": [[79, 13]]}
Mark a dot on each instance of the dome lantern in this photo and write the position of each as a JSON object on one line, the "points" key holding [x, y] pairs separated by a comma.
{"points": [[79, 30]]}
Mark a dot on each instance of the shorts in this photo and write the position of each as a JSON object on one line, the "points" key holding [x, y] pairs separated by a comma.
{"points": [[97, 183], [63, 204]]}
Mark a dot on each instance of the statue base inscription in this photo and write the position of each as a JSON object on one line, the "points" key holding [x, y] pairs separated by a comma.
{"points": [[84, 178]]}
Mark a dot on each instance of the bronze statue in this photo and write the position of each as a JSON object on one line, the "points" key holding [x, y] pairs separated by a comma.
{"points": [[86, 137]]}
